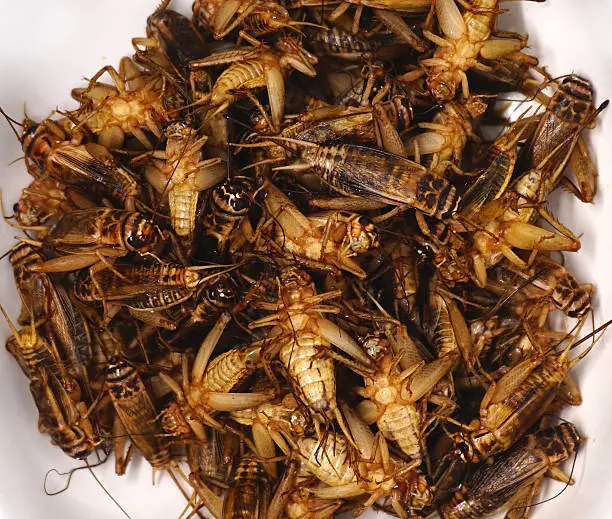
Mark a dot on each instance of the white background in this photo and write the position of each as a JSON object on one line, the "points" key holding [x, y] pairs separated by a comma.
{"points": [[45, 50]]}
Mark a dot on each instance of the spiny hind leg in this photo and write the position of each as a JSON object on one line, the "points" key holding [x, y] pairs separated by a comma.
{"points": [[387, 135], [400, 28], [115, 76], [556, 224]]}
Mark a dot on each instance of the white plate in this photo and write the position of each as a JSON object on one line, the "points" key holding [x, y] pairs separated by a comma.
{"points": [[47, 47]]}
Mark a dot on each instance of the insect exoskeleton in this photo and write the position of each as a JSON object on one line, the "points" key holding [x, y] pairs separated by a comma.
{"points": [[32, 351], [445, 326], [447, 135], [381, 176], [218, 296], [553, 286], [304, 343], [134, 104], [570, 109], [215, 15], [513, 479], [330, 462], [175, 36], [514, 403], [368, 470], [46, 199], [46, 303], [136, 411], [270, 422], [90, 167], [207, 387], [33, 288], [256, 68], [228, 207], [179, 172], [62, 417], [249, 491], [323, 240], [256, 16], [558, 137], [85, 237], [340, 44], [392, 395], [404, 280], [466, 38], [144, 289], [353, 232]]}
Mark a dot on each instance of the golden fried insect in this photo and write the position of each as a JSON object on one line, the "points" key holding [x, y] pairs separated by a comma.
{"points": [[269, 423], [175, 37], [381, 176], [323, 291], [180, 173], [46, 302], [257, 17], [381, 124], [228, 207], [216, 297], [466, 38], [32, 351], [249, 492], [548, 283], [134, 105], [514, 477], [206, 388], [88, 236], [253, 68], [509, 222], [514, 403], [303, 342], [492, 182], [64, 418], [570, 109], [144, 289], [368, 470], [323, 240], [446, 327], [392, 395], [33, 288], [294, 501], [50, 150], [447, 134], [46, 199], [136, 411]]}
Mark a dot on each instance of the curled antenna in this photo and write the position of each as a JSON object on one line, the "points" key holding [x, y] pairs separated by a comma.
{"points": [[70, 473]]}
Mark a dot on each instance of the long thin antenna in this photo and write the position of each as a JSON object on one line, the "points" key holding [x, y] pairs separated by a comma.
{"points": [[89, 467], [12, 121]]}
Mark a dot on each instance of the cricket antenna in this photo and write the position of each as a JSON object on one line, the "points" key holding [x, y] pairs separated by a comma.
{"points": [[89, 467], [70, 473], [12, 122]]}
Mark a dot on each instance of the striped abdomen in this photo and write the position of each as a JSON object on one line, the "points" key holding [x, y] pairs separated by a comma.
{"points": [[229, 204], [217, 297], [400, 423], [312, 373], [236, 77], [382, 176], [136, 411], [229, 369], [248, 495], [183, 203]]}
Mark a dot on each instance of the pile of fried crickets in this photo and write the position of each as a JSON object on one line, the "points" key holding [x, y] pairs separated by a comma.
{"points": [[274, 255]]}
